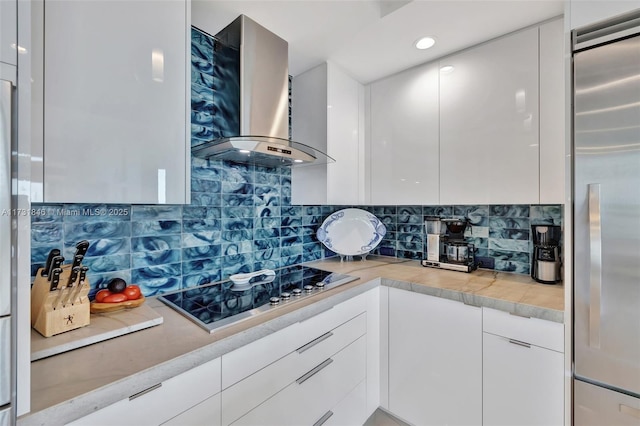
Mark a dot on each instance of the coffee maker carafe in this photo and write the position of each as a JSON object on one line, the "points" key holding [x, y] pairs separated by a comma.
{"points": [[545, 259]]}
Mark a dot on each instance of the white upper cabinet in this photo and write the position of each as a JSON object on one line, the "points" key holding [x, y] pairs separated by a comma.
{"points": [[116, 101], [404, 137], [9, 31], [552, 113], [489, 123], [327, 110], [583, 12], [345, 138]]}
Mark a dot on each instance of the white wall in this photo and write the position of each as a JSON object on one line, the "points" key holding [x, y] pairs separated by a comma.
{"points": [[585, 12]]}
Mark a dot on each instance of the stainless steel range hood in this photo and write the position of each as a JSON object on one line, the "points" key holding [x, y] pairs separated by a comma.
{"points": [[263, 105]]}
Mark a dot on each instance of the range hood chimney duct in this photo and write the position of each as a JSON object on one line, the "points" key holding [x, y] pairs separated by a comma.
{"points": [[261, 136]]}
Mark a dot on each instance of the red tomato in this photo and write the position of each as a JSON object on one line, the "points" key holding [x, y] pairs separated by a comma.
{"points": [[101, 295], [115, 298], [132, 292]]}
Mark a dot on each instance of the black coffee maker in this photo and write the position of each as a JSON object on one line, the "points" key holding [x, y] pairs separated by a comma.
{"points": [[545, 259]]}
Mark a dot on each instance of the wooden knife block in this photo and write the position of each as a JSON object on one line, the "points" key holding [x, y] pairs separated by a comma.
{"points": [[48, 315]]}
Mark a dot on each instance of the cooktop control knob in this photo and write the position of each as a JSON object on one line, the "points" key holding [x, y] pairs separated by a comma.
{"points": [[320, 284], [274, 300], [285, 295], [308, 288], [296, 292]]}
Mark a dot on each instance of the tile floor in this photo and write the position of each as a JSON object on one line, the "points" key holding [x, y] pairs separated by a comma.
{"points": [[382, 418]]}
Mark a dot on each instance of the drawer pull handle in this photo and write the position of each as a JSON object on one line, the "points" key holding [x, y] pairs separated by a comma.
{"points": [[314, 342], [625, 409], [142, 392], [324, 418], [314, 371], [519, 343]]}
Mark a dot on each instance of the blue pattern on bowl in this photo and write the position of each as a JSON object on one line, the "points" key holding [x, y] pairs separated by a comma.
{"points": [[379, 231]]}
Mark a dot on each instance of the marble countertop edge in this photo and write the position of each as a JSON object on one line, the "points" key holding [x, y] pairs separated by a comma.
{"points": [[478, 300]]}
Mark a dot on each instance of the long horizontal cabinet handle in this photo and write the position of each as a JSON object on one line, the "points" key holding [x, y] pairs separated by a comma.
{"points": [[519, 343], [314, 371], [314, 342], [324, 418], [145, 391]]}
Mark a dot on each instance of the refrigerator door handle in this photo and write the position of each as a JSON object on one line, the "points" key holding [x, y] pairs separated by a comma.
{"points": [[595, 264], [625, 409], [6, 94]]}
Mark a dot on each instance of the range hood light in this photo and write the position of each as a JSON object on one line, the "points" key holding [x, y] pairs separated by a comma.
{"points": [[244, 151]]}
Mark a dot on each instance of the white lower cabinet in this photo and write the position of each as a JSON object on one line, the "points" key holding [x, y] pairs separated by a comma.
{"points": [[262, 385], [178, 396], [522, 371], [299, 374], [307, 400], [435, 360], [350, 411]]}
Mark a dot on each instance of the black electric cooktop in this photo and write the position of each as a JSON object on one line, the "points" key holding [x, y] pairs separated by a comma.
{"points": [[219, 305]]}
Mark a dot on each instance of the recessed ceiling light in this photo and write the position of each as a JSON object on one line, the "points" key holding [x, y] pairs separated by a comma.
{"points": [[425, 43], [446, 69]]}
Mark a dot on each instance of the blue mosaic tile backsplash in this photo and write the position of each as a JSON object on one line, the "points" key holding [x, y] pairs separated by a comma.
{"points": [[241, 218]]}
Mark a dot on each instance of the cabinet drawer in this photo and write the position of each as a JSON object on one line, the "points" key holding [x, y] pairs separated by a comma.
{"points": [[156, 406], [248, 359], [307, 399], [521, 385], [255, 389], [207, 413], [546, 334], [350, 411]]}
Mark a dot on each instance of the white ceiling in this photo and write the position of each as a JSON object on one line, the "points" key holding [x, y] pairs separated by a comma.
{"points": [[371, 39]]}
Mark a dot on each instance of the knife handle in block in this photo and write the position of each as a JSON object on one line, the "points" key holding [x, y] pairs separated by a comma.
{"points": [[49, 321]]}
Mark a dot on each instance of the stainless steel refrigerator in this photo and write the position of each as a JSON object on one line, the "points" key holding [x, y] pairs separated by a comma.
{"points": [[606, 71], [7, 244]]}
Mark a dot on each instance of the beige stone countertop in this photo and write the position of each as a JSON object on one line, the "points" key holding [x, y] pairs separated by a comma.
{"points": [[515, 293], [73, 384]]}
